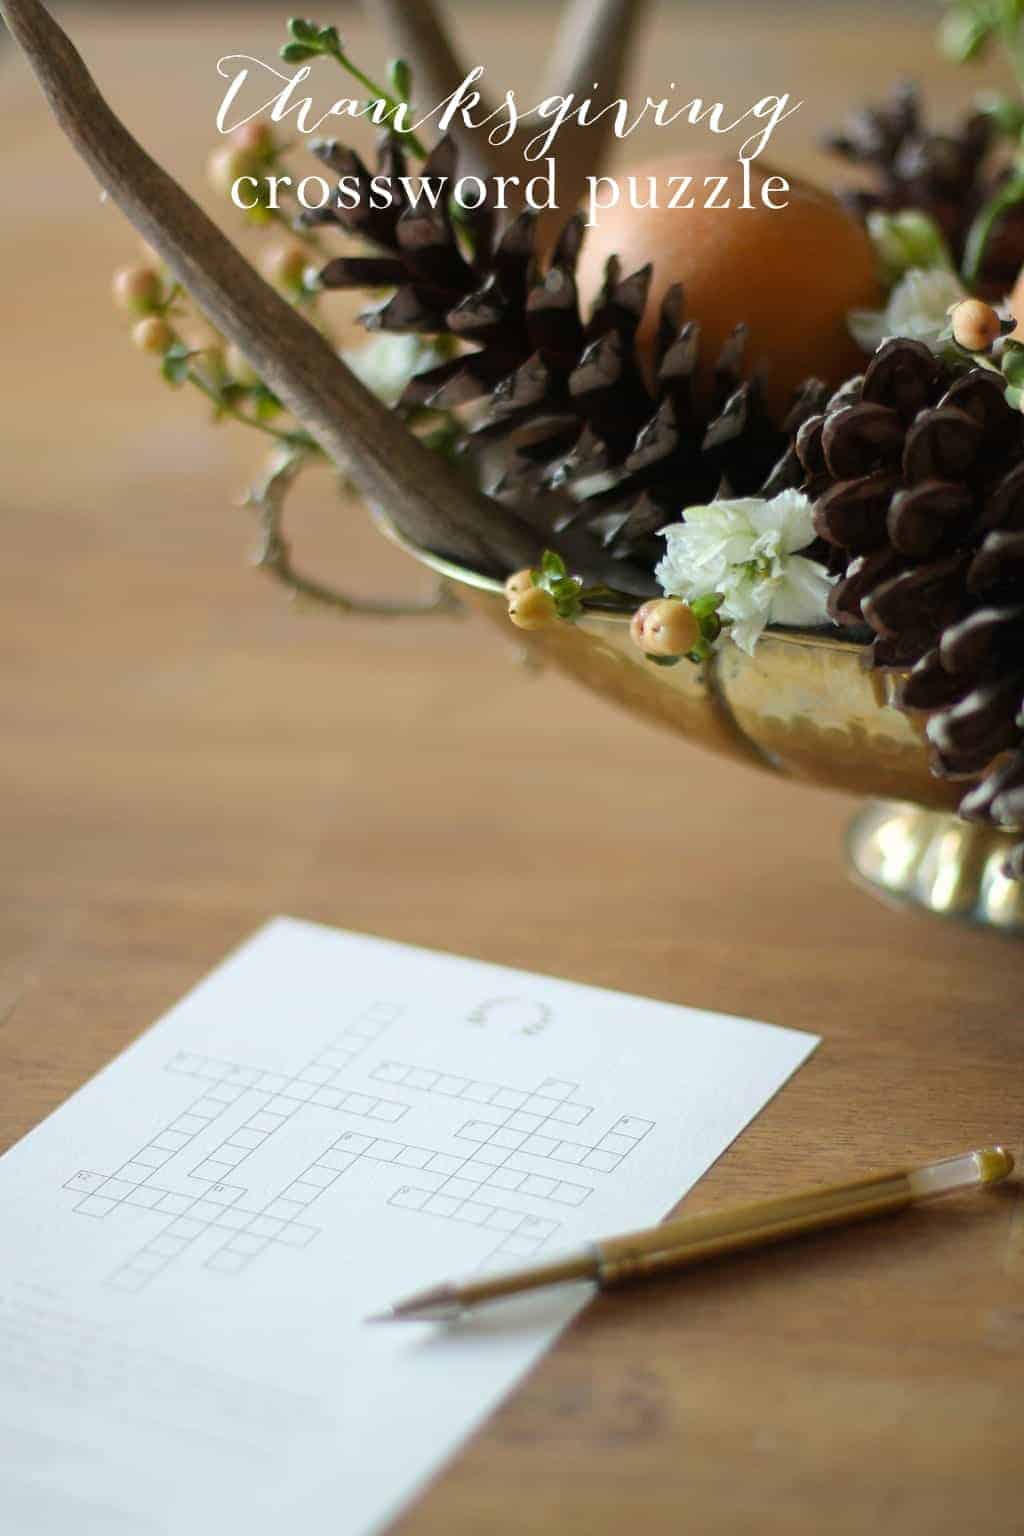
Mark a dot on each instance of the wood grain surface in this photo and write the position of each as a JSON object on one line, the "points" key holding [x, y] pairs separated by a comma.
{"points": [[185, 753]]}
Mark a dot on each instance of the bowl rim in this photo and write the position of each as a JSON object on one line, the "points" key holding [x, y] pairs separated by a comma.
{"points": [[450, 570]]}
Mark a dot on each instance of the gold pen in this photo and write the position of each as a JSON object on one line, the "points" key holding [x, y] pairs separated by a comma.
{"points": [[691, 1239]]}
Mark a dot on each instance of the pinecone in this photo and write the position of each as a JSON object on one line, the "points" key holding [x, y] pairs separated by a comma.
{"points": [[568, 416], [917, 475], [946, 175]]}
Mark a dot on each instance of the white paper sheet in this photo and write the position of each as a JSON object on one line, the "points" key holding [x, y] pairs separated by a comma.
{"points": [[190, 1244]]}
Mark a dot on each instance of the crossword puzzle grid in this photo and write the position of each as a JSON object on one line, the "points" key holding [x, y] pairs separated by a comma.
{"points": [[519, 1142], [248, 1232]]}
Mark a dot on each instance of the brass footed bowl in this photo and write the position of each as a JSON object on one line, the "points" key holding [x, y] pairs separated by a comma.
{"points": [[804, 706]]}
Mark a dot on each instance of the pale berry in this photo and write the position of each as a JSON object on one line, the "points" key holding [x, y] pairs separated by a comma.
{"points": [[665, 627], [137, 290], [975, 325], [532, 609], [519, 581], [152, 334]]}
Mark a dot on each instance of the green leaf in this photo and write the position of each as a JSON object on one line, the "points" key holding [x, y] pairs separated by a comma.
{"points": [[175, 364], [1003, 111], [664, 661], [963, 35], [1012, 363], [400, 79], [297, 53]]}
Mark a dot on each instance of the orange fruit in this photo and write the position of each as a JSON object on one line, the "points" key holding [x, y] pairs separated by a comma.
{"points": [[791, 274]]}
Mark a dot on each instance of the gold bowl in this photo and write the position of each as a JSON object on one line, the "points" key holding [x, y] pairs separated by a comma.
{"points": [[805, 706]]}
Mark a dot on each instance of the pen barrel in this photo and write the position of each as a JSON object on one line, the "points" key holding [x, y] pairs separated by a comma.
{"points": [[693, 1239]]}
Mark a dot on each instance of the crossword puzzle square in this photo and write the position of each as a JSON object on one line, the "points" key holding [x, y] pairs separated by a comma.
{"points": [[354, 1141], [537, 1104], [556, 1089], [413, 1157], [489, 1156], [520, 1247], [95, 1205], [503, 1221], [389, 1072], [570, 1114], [284, 1208], [265, 1226], [190, 1124], [224, 1094], [338, 1160], [273, 1082], [620, 1144], [226, 1263], [144, 1196], [359, 1103], [328, 1098], [297, 1234], [319, 1176], [246, 1076], [247, 1243], [384, 1151], [477, 1169], [83, 1180], [537, 1226], [206, 1210], [442, 1163], [409, 1199], [234, 1220], [213, 1170], [248, 1138], [283, 1107], [148, 1262], [222, 1194], [475, 1130], [166, 1245], [169, 1141], [533, 1184], [633, 1125], [570, 1194], [507, 1178], [174, 1204], [152, 1156], [540, 1146], [303, 1191], [460, 1187], [453, 1086], [604, 1161], [474, 1211], [420, 1078], [264, 1121], [207, 1107], [318, 1075], [570, 1152], [509, 1098], [384, 1109], [441, 1205], [512, 1140], [525, 1120], [118, 1187], [187, 1226], [136, 1172]]}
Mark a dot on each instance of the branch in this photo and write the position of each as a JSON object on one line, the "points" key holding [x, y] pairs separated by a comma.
{"points": [[416, 489], [274, 554]]}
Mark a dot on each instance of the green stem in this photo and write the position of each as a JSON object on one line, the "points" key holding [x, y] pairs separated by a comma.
{"points": [[290, 439], [391, 102]]}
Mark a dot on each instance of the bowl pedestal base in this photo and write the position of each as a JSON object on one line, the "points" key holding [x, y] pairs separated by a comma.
{"points": [[930, 860]]}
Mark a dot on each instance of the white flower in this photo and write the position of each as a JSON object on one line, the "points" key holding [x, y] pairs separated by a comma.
{"points": [[918, 308], [747, 550], [387, 363]]}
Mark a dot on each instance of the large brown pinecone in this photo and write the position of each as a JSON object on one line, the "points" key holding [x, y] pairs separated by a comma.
{"points": [[947, 175], [567, 411], [917, 475]]}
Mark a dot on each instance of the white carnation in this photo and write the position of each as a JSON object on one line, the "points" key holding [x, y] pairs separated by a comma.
{"points": [[918, 308], [746, 549], [387, 362]]}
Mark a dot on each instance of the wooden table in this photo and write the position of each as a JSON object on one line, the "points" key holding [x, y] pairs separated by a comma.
{"points": [[184, 753]]}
